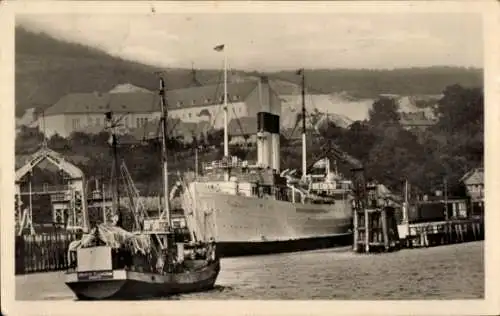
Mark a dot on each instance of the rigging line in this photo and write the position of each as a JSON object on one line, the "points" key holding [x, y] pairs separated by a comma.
{"points": [[238, 121], [294, 128], [242, 131], [299, 115], [308, 88], [212, 123], [297, 120], [153, 102], [217, 111]]}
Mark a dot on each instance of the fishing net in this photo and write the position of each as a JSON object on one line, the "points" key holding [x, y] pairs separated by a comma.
{"points": [[114, 237]]}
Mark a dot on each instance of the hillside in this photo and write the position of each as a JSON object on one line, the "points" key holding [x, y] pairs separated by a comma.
{"points": [[367, 83], [47, 69]]}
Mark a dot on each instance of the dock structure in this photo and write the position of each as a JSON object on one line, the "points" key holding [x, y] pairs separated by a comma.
{"points": [[375, 230], [72, 193], [380, 226], [375, 225], [438, 221], [441, 232]]}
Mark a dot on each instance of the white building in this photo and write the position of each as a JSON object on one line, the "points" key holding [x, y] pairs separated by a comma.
{"points": [[85, 112]]}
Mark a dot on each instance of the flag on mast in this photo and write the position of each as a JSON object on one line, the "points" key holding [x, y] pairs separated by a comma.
{"points": [[219, 48]]}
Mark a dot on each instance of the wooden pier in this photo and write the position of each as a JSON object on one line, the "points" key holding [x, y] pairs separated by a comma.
{"points": [[377, 227], [44, 252], [442, 232]]}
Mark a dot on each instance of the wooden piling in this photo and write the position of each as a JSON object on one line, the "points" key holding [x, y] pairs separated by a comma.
{"points": [[385, 229], [43, 253], [375, 230], [367, 230], [355, 232]]}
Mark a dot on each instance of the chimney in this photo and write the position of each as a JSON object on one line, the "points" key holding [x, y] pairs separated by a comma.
{"points": [[268, 127]]}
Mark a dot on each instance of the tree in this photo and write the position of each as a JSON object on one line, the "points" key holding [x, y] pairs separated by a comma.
{"points": [[215, 138], [384, 112], [461, 124], [59, 143], [459, 109], [28, 140], [359, 139], [80, 139]]}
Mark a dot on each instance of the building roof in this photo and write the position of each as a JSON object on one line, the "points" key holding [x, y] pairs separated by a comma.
{"points": [[143, 101], [127, 88], [242, 126], [132, 102], [416, 119], [474, 176], [209, 95]]}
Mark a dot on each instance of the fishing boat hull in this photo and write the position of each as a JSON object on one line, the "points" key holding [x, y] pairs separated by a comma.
{"points": [[131, 285], [245, 225]]}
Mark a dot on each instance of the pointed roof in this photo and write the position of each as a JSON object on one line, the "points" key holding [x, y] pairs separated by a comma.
{"points": [[127, 88], [134, 102], [473, 176]]}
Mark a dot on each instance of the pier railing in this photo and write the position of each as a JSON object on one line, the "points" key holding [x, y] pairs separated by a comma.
{"points": [[43, 252]]}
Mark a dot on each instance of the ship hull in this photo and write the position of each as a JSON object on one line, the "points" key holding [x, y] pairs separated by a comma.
{"points": [[133, 285], [246, 225], [238, 249]]}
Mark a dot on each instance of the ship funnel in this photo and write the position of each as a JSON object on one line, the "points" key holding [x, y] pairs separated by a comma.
{"points": [[268, 127]]}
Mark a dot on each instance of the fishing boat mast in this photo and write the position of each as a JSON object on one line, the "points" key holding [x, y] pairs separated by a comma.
{"points": [[166, 211], [304, 161], [115, 185]]}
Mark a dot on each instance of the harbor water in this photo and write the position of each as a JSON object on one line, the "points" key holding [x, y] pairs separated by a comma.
{"points": [[445, 272]]}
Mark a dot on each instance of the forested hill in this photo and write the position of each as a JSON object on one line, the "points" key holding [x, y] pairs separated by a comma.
{"points": [[367, 83], [47, 69]]}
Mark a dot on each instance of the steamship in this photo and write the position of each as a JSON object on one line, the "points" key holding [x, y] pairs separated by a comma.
{"points": [[256, 208]]}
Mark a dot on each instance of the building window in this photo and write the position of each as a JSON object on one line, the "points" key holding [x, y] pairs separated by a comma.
{"points": [[235, 97], [89, 121], [125, 121], [76, 123], [179, 104], [193, 103], [97, 121], [189, 114], [141, 121], [208, 101]]}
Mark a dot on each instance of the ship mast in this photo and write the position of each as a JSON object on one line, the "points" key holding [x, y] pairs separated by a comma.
{"points": [[221, 48], [114, 179], [166, 211], [304, 161], [226, 137]]}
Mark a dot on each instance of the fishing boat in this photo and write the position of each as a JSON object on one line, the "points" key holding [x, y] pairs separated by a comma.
{"points": [[257, 208], [150, 260]]}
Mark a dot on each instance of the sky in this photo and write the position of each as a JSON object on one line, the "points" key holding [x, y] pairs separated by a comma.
{"points": [[274, 41]]}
